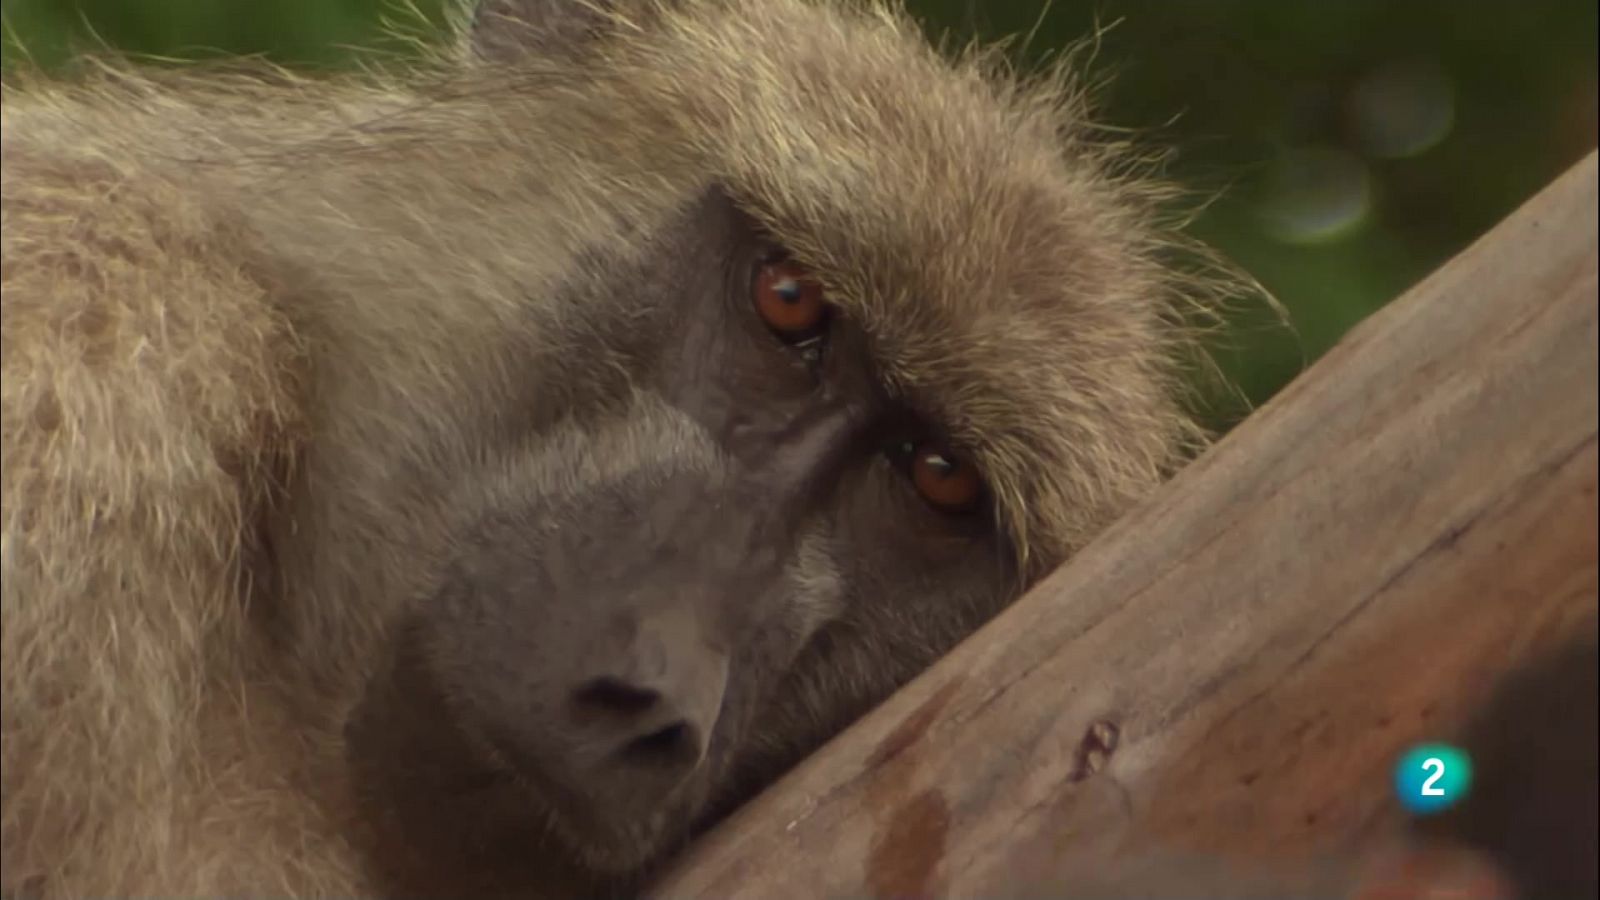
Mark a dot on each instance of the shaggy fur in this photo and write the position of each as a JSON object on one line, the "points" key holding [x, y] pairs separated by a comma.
{"points": [[243, 310]]}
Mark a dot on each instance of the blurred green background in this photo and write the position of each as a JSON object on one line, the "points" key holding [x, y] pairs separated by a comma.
{"points": [[1354, 145]]}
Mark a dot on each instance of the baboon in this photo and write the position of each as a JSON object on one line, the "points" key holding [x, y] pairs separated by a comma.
{"points": [[478, 478], [479, 475]]}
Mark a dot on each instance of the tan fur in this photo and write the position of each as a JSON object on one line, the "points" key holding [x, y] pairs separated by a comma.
{"points": [[206, 276]]}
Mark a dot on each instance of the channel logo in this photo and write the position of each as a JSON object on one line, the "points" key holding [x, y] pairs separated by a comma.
{"points": [[1431, 778]]}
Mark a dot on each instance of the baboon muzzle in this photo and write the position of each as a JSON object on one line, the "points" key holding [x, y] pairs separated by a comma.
{"points": [[641, 559]]}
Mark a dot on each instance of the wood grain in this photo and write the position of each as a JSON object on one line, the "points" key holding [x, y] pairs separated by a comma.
{"points": [[1231, 670]]}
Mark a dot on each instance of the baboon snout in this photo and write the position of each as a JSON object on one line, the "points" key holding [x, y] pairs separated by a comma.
{"points": [[641, 704], [647, 562]]}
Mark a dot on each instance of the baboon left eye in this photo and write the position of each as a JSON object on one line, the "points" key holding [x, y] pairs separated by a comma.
{"points": [[790, 301]]}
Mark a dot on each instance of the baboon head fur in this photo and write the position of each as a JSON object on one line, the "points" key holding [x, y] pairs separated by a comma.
{"points": [[578, 429]]}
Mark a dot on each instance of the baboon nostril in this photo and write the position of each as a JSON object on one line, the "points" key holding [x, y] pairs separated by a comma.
{"points": [[614, 696], [673, 744]]}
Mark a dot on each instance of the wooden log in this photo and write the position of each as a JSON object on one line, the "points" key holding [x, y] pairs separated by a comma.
{"points": [[1232, 670]]}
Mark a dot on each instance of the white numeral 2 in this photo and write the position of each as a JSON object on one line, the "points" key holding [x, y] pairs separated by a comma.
{"points": [[1437, 765]]}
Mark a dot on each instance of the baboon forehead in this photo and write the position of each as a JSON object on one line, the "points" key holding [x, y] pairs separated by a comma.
{"points": [[1008, 269]]}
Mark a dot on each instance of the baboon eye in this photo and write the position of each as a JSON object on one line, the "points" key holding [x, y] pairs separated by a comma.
{"points": [[948, 481], [790, 301]]}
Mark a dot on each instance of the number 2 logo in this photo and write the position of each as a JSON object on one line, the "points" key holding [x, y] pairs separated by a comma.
{"points": [[1431, 778]]}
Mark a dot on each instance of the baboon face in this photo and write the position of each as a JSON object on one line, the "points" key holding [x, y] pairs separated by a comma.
{"points": [[869, 352], [635, 608]]}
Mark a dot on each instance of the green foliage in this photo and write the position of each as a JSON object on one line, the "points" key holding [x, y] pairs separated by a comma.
{"points": [[1353, 146]]}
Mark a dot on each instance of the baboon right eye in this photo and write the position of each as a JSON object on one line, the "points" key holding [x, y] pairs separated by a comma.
{"points": [[790, 301], [948, 481]]}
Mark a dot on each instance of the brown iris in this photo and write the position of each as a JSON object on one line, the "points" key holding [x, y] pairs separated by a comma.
{"points": [[789, 300], [949, 482]]}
